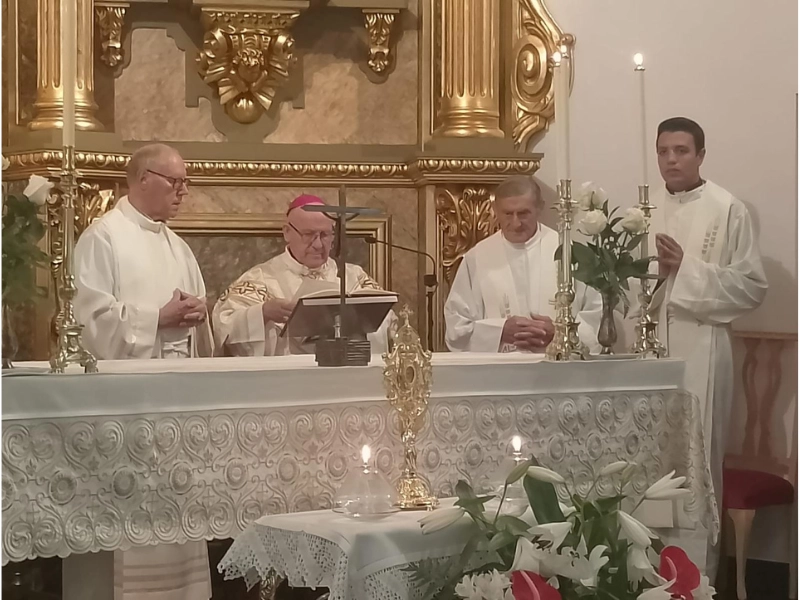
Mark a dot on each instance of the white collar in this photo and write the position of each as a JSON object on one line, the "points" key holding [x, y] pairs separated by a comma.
{"points": [[142, 220], [527, 245], [686, 197], [303, 271]]}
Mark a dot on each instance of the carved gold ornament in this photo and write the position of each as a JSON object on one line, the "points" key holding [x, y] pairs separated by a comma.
{"points": [[247, 55], [379, 29], [110, 18], [465, 218], [536, 36]]}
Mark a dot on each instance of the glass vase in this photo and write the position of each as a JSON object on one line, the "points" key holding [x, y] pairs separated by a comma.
{"points": [[607, 334]]}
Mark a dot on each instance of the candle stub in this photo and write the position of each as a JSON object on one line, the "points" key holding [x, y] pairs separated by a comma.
{"points": [[365, 454], [516, 443]]}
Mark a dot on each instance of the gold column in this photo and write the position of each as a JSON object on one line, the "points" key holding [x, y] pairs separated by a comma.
{"points": [[467, 55], [49, 97]]}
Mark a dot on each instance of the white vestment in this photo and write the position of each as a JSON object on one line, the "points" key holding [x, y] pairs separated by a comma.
{"points": [[497, 280], [239, 325], [720, 279], [126, 268]]}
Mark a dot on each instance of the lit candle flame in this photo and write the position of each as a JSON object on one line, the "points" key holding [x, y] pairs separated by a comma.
{"points": [[516, 443], [638, 59], [557, 58], [365, 454]]}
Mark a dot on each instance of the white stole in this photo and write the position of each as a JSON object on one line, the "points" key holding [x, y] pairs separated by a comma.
{"points": [[684, 336]]}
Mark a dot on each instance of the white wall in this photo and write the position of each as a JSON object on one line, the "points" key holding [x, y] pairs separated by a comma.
{"points": [[731, 65]]}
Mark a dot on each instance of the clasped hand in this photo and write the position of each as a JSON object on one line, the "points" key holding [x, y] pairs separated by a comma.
{"points": [[182, 311], [277, 311], [532, 334]]}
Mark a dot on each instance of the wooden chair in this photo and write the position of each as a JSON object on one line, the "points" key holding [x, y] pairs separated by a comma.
{"points": [[756, 478]]}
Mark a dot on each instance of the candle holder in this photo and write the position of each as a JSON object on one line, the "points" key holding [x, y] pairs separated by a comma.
{"points": [[407, 379], [365, 492], [566, 344], [69, 346], [646, 344]]}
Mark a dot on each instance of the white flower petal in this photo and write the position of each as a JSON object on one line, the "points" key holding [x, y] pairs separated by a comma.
{"points": [[543, 474], [552, 532], [634, 221], [441, 518], [38, 189], [635, 531], [657, 593], [593, 222], [526, 556], [614, 468]]}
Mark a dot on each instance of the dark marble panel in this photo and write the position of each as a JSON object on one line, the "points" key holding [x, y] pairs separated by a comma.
{"points": [[26, 31]]}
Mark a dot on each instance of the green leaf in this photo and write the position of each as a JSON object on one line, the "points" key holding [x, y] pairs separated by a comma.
{"points": [[501, 539], [635, 241], [543, 500], [513, 525]]}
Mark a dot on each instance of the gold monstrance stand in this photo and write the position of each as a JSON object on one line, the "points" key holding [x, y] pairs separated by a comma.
{"points": [[407, 379], [566, 345], [69, 347]]}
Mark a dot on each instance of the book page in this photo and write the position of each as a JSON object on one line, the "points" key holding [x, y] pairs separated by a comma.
{"points": [[316, 287]]}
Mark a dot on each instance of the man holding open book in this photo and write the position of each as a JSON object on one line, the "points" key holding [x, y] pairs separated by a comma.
{"points": [[250, 315]]}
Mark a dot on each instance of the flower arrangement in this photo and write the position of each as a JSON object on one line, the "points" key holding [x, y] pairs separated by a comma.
{"points": [[606, 262], [22, 232], [590, 548]]}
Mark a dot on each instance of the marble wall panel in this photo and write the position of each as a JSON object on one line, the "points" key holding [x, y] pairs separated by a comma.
{"points": [[149, 101], [26, 63], [226, 260]]}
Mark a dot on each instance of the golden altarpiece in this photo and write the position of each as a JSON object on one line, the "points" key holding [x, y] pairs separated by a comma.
{"points": [[420, 107]]}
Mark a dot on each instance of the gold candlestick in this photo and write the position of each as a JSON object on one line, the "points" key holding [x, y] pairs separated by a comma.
{"points": [[646, 343], [69, 349], [407, 379], [566, 344]]}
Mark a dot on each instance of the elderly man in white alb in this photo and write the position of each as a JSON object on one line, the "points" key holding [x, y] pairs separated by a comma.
{"points": [[503, 293], [711, 274], [141, 295], [250, 315]]}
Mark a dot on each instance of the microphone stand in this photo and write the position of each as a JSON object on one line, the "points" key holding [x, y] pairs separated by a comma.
{"points": [[430, 280]]}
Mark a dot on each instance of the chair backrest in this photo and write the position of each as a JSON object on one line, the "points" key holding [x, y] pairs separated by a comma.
{"points": [[761, 382]]}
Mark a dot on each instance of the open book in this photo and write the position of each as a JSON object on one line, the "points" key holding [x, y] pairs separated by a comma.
{"points": [[317, 303]]}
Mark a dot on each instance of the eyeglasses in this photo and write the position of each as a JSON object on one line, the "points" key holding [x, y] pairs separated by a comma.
{"points": [[176, 182], [308, 237]]}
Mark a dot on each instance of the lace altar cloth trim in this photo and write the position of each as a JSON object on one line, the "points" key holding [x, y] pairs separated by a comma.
{"points": [[86, 484]]}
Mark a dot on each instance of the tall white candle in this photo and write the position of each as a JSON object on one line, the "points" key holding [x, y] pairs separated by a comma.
{"points": [[638, 59], [69, 53], [561, 92]]}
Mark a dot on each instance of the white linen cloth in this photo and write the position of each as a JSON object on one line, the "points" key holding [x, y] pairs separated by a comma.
{"points": [[127, 267], [239, 326], [498, 279]]}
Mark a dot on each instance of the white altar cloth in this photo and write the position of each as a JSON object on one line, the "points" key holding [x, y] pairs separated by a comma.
{"points": [[150, 452], [353, 558]]}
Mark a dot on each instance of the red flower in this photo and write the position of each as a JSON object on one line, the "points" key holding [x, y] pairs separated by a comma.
{"points": [[527, 585], [675, 564]]}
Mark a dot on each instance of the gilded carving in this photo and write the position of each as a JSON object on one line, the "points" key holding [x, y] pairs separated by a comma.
{"points": [[247, 56], [536, 36], [465, 217], [459, 169], [110, 18], [379, 29]]}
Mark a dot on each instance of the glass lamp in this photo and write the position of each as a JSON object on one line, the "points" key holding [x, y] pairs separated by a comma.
{"points": [[516, 500], [365, 492]]}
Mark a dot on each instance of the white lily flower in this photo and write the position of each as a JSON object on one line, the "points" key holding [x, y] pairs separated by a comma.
{"points": [[491, 585], [704, 591], [543, 474], [634, 530], [657, 593], [634, 221], [640, 567], [613, 468], [466, 589], [567, 509], [596, 561], [552, 532], [526, 557], [441, 518], [593, 222], [38, 189], [667, 487]]}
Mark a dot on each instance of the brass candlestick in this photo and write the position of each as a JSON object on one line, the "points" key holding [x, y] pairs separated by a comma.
{"points": [[407, 379], [69, 347], [646, 343], [566, 344]]}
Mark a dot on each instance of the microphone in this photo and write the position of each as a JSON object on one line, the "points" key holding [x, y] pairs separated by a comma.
{"points": [[430, 280]]}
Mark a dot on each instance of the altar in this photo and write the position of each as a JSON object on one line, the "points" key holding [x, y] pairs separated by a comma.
{"points": [[153, 452]]}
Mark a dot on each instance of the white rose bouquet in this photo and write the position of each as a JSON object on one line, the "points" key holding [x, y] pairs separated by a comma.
{"points": [[606, 263]]}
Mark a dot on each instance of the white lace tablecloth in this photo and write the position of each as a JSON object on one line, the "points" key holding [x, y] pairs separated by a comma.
{"points": [[353, 558]]}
